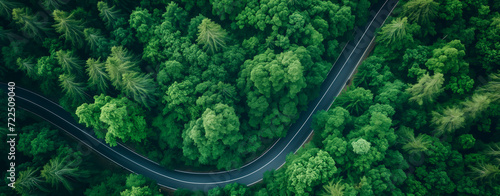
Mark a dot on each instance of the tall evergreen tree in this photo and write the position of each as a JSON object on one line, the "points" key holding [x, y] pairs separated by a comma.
{"points": [[211, 35], [30, 24], [108, 14], [140, 87], [28, 65], [6, 7], [427, 88], [421, 11], [71, 87], [476, 105], [70, 28], [450, 120], [492, 88], [69, 62], [28, 182], [334, 189], [60, 171], [52, 4], [98, 77], [119, 63]]}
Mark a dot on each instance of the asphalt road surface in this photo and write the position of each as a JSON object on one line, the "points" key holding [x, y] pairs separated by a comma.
{"points": [[249, 174]]}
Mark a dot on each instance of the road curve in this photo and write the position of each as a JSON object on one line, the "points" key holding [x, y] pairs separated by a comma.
{"points": [[249, 174]]}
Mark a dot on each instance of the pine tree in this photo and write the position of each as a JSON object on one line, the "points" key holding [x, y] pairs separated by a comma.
{"points": [[28, 65], [52, 4], [211, 35], [93, 37], [27, 182], [413, 144], [108, 14], [332, 189], [119, 63], [486, 171], [421, 11], [60, 171], [71, 29], [450, 120], [394, 32], [427, 89], [140, 87], [6, 7], [98, 77], [71, 87], [69, 62], [476, 105], [30, 24], [492, 88]]}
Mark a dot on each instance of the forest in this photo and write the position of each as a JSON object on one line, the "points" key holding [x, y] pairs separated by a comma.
{"points": [[210, 85]]}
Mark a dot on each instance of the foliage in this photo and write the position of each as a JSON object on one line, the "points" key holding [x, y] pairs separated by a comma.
{"points": [[119, 116], [450, 120], [70, 28], [360, 146], [211, 35], [427, 89]]}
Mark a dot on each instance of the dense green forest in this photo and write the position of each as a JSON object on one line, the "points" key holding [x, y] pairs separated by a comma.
{"points": [[209, 85]]}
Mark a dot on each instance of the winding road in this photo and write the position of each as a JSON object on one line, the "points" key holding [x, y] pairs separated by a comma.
{"points": [[249, 174]]}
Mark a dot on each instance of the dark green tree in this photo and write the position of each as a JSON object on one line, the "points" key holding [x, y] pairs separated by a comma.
{"points": [[6, 7], [61, 171], [108, 14], [28, 182], [32, 25], [422, 12]]}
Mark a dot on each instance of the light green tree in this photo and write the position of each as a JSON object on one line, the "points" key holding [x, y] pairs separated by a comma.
{"points": [[28, 65], [422, 12], [492, 87], [119, 63], [412, 144], [427, 89], [125, 121], [334, 189], [137, 191], [360, 146], [486, 171], [211, 35], [214, 136], [70, 28], [398, 34], [450, 120], [477, 104]]}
